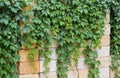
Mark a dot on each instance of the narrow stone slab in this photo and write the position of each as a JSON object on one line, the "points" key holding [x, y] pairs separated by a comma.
{"points": [[52, 66], [28, 68], [105, 41], [72, 74], [104, 51], [24, 56]]}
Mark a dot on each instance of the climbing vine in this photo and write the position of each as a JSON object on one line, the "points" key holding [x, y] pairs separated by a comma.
{"points": [[38, 32], [73, 24], [115, 37], [10, 40]]}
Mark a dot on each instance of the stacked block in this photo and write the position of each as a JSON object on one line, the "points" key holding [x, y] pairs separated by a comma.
{"points": [[53, 68], [28, 68]]}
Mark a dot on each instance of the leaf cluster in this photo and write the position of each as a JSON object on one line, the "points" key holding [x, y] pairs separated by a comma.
{"points": [[115, 37], [10, 40], [74, 24]]}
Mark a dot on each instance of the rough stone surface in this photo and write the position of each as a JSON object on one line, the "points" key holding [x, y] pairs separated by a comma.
{"points": [[112, 74], [24, 55], [28, 68], [83, 73], [105, 41], [81, 63], [104, 51], [107, 19], [52, 66], [29, 76], [104, 72], [105, 62], [72, 74]]}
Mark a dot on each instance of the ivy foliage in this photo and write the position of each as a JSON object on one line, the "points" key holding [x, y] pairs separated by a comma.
{"points": [[74, 24], [10, 14], [115, 37]]}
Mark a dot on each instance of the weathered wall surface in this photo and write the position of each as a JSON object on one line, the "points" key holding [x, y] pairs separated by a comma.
{"points": [[26, 70]]}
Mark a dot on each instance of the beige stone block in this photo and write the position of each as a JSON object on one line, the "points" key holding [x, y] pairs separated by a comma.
{"points": [[81, 64], [72, 74], [52, 66], [83, 73], [105, 41], [49, 75], [107, 19], [104, 72], [24, 56], [105, 62], [29, 76], [29, 67], [107, 29], [112, 74], [104, 51]]}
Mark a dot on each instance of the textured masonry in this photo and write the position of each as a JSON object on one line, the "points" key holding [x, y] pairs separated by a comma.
{"points": [[26, 70]]}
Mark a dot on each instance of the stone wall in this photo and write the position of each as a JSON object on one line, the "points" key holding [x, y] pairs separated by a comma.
{"points": [[26, 70]]}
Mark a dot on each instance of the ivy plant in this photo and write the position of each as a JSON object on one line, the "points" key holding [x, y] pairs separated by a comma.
{"points": [[74, 24], [115, 37], [10, 39]]}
